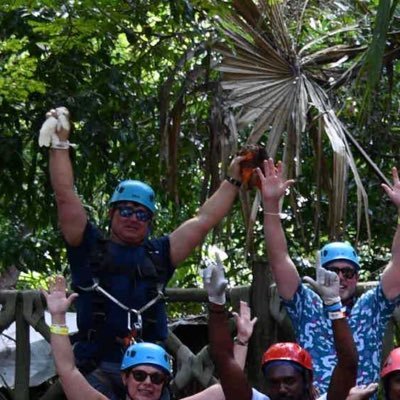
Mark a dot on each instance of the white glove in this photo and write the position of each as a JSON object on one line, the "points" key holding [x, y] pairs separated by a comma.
{"points": [[56, 119], [362, 392], [214, 281], [327, 284]]}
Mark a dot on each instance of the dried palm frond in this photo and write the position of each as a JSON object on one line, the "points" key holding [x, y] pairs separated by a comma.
{"points": [[274, 90]]}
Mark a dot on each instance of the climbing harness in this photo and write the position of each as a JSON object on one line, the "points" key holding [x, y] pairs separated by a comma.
{"points": [[135, 329]]}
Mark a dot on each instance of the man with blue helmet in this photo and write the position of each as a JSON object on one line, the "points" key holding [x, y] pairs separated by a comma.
{"points": [[368, 315], [129, 265]]}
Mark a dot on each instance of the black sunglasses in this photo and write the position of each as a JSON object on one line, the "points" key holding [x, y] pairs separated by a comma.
{"points": [[128, 211], [140, 376], [347, 272]]}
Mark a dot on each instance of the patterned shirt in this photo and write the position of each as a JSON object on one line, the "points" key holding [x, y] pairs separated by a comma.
{"points": [[367, 320], [260, 396]]}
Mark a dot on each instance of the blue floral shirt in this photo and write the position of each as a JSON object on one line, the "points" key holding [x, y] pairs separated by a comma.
{"points": [[260, 396], [368, 319]]}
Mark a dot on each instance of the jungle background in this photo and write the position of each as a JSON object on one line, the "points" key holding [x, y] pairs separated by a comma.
{"points": [[142, 80], [167, 91]]}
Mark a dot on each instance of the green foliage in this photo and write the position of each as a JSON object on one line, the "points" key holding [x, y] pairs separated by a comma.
{"points": [[107, 61], [17, 70]]}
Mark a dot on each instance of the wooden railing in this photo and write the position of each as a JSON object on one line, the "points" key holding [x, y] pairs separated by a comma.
{"points": [[27, 308]]}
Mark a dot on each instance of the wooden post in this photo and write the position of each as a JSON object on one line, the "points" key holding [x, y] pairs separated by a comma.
{"points": [[22, 353], [264, 332]]}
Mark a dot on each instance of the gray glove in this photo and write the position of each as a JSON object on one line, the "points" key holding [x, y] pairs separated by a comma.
{"points": [[214, 281], [327, 284]]}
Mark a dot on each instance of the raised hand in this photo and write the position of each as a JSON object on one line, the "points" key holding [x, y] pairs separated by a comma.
{"points": [[362, 392], [273, 185], [57, 301], [244, 323], [327, 283], [214, 281], [234, 168], [394, 191]]}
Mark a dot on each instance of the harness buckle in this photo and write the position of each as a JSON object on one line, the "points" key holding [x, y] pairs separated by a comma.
{"points": [[91, 334]]}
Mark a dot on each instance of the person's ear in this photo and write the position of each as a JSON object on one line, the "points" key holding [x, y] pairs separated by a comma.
{"points": [[124, 377]]}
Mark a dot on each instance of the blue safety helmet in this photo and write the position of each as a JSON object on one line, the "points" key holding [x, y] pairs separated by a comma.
{"points": [[135, 191], [148, 354], [339, 251]]}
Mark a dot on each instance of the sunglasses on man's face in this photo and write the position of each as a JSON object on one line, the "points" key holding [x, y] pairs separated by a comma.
{"points": [[347, 272], [140, 376], [128, 211]]}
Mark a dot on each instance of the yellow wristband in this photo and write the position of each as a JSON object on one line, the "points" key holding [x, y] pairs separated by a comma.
{"points": [[398, 220], [59, 329]]}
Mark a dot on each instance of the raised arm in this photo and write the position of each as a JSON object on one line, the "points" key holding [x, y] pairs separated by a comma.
{"points": [[71, 214], [244, 328], [74, 384], [192, 232], [363, 392], [273, 188], [391, 274], [233, 380], [344, 375]]}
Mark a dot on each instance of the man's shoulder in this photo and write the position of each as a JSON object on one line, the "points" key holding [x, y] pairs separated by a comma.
{"points": [[159, 244], [374, 292], [373, 303], [91, 234], [305, 295]]}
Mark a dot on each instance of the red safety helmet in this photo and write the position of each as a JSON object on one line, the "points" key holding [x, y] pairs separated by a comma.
{"points": [[392, 363], [288, 351]]}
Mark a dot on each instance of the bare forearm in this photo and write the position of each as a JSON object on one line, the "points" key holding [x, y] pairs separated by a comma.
{"points": [[233, 380], [61, 348], [396, 241], [345, 372], [240, 354], [391, 274], [61, 173], [283, 270], [192, 232], [221, 344], [346, 349], [71, 214], [219, 204]]}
